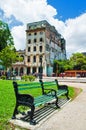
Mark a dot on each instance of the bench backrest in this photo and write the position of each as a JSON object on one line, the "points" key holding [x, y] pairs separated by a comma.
{"points": [[25, 86], [33, 85], [52, 84], [49, 84]]}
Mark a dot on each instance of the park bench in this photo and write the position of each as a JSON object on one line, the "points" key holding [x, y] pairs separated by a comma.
{"points": [[31, 101], [50, 91]]}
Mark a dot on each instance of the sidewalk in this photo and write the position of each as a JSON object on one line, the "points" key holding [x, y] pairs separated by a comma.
{"points": [[72, 116]]}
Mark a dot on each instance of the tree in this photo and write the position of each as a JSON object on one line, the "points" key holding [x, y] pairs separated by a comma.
{"points": [[55, 67], [5, 36], [8, 56], [58, 66], [78, 61]]}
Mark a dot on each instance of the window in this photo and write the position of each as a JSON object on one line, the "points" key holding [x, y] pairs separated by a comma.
{"points": [[41, 39], [29, 27], [35, 33], [34, 59], [28, 58], [28, 49], [35, 40], [29, 34], [29, 41], [34, 48], [34, 70], [40, 48], [40, 58], [53, 49], [47, 47]]}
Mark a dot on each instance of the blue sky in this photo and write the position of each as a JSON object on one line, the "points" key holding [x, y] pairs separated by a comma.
{"points": [[68, 8], [68, 16]]}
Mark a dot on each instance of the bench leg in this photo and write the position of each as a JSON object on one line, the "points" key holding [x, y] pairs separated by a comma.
{"points": [[32, 121], [15, 112], [57, 103], [67, 96]]}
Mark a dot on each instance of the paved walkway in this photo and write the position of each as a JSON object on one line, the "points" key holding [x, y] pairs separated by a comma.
{"points": [[72, 116]]}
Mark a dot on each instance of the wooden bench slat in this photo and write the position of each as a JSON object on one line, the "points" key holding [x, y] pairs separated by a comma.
{"points": [[61, 92], [31, 87], [42, 100]]}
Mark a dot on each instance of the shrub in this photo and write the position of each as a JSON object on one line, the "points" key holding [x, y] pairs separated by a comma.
{"points": [[25, 77], [28, 77], [31, 77], [3, 77]]}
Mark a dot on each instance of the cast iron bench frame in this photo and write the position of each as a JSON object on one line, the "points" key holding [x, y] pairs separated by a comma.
{"points": [[30, 101], [48, 95]]}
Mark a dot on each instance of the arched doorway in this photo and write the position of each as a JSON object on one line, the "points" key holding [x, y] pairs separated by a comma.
{"points": [[16, 70], [21, 71]]}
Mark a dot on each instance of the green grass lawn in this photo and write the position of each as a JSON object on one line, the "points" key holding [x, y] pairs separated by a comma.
{"points": [[7, 101]]}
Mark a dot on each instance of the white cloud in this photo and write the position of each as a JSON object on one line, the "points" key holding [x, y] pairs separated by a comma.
{"points": [[28, 10], [73, 30], [75, 34], [19, 37]]}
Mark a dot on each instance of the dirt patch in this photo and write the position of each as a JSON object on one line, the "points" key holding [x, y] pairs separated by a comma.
{"points": [[77, 92]]}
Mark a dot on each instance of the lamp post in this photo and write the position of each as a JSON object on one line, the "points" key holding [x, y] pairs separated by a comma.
{"points": [[40, 76]]}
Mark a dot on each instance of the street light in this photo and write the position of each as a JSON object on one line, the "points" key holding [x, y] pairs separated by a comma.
{"points": [[40, 76]]}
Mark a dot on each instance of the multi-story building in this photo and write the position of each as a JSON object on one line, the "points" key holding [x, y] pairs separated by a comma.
{"points": [[42, 41]]}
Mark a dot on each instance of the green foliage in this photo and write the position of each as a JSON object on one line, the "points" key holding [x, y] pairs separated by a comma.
{"points": [[3, 77], [28, 77], [71, 92], [60, 66], [78, 61], [31, 78], [25, 77], [8, 56], [5, 35], [7, 102]]}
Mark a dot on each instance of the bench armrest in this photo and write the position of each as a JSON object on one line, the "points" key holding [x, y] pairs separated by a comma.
{"points": [[63, 87], [50, 91]]}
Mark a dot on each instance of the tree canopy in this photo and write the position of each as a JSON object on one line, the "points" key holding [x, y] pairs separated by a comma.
{"points": [[8, 56], [5, 35], [76, 62]]}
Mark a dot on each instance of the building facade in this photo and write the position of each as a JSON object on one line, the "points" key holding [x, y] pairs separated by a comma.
{"points": [[20, 67], [42, 42]]}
